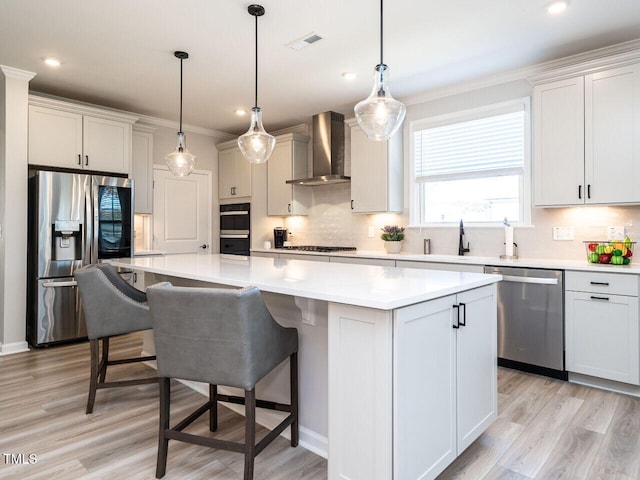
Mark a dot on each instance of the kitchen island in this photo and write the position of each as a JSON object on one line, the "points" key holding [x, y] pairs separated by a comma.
{"points": [[397, 366]]}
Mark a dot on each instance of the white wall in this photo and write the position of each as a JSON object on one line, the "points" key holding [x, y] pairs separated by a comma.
{"points": [[14, 86]]}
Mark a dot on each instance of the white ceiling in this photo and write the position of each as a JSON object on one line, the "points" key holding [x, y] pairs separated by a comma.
{"points": [[119, 53]]}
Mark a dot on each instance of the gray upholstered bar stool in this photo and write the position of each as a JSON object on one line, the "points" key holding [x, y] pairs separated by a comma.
{"points": [[220, 337], [111, 307]]}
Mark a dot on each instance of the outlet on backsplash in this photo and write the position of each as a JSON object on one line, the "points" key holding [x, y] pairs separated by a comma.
{"points": [[615, 233], [370, 233], [563, 233]]}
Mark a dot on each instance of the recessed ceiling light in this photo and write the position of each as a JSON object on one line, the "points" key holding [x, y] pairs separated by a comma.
{"points": [[241, 112], [349, 75], [52, 62], [557, 7]]}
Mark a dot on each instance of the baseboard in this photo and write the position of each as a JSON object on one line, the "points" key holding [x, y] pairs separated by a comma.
{"points": [[309, 439], [603, 383], [11, 348]]}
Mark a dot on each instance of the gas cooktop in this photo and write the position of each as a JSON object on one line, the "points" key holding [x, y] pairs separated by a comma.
{"points": [[317, 248]]}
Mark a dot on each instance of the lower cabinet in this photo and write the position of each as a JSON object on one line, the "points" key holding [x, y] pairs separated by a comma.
{"points": [[602, 334], [410, 389], [446, 380]]}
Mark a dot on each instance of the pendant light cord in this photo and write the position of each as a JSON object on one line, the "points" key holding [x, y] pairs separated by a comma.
{"points": [[256, 96], [181, 95], [381, 10]]}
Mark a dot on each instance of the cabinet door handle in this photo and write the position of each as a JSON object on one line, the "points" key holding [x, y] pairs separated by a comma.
{"points": [[580, 192], [135, 277], [589, 191], [463, 323], [351, 204], [606, 284], [79, 159], [593, 297], [86, 160], [289, 207], [457, 324]]}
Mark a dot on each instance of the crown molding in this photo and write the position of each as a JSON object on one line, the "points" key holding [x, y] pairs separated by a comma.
{"points": [[51, 101], [586, 62], [162, 122], [16, 73]]}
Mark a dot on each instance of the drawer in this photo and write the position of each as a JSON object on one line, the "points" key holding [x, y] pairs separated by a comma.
{"points": [[612, 283]]}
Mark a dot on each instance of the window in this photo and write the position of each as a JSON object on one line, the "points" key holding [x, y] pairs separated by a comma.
{"points": [[472, 165]]}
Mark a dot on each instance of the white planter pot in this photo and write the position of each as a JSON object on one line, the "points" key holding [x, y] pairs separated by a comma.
{"points": [[393, 247]]}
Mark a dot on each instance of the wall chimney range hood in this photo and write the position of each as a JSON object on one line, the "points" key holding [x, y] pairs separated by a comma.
{"points": [[328, 151]]}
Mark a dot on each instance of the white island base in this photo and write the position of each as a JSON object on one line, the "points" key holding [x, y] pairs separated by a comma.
{"points": [[398, 390]]}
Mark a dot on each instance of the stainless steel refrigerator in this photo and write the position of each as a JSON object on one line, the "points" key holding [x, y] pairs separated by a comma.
{"points": [[74, 219]]}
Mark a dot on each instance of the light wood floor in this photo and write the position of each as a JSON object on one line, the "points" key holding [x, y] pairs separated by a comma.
{"points": [[547, 429]]}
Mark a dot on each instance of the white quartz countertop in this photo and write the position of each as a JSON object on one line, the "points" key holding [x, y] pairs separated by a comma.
{"points": [[384, 288], [559, 264]]}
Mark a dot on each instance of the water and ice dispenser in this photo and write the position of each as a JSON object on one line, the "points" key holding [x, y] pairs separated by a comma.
{"points": [[67, 240]]}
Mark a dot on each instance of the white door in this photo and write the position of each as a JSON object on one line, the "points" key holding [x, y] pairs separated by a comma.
{"points": [[181, 211]]}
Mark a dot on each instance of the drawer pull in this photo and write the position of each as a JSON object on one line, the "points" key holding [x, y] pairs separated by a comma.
{"points": [[606, 284], [593, 297]]}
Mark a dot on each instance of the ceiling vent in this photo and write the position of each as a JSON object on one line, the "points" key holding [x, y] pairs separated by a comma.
{"points": [[304, 41]]}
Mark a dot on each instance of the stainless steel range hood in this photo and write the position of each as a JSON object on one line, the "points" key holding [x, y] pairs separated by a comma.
{"points": [[328, 151]]}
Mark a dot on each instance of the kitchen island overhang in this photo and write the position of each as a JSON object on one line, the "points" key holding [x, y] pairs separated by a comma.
{"points": [[401, 350]]}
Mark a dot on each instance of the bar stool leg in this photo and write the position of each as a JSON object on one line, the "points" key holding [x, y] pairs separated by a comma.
{"points": [[213, 408], [105, 359], [163, 442], [293, 370], [93, 380], [250, 433]]}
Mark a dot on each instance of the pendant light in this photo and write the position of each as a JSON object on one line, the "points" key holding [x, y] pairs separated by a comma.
{"points": [[380, 115], [256, 144], [180, 161]]}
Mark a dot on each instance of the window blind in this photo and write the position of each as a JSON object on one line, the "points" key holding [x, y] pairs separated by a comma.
{"points": [[486, 144]]}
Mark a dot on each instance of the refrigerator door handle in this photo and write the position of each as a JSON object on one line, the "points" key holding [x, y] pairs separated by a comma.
{"points": [[95, 218], [87, 258], [71, 283]]}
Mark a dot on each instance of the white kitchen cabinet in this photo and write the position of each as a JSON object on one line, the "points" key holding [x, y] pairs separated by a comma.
{"points": [[460, 399], [612, 135], [451, 267], [288, 161], [234, 172], [66, 137], [587, 139], [142, 168], [376, 173], [558, 124], [602, 334]]}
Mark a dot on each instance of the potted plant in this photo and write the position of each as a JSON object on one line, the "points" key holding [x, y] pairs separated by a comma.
{"points": [[392, 236]]}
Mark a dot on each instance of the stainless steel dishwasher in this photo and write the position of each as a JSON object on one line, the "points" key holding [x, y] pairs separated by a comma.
{"points": [[531, 320]]}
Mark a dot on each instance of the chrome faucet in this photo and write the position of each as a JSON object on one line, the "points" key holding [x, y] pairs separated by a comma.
{"points": [[461, 249]]}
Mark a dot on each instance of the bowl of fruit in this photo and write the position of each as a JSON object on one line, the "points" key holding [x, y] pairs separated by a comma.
{"points": [[615, 252]]}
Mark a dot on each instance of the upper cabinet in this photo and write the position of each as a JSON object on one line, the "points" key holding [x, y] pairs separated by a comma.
{"points": [[587, 139], [142, 168], [376, 173], [234, 171], [288, 161], [66, 135]]}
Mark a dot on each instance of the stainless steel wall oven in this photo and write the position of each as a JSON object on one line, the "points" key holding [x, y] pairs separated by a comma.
{"points": [[235, 228]]}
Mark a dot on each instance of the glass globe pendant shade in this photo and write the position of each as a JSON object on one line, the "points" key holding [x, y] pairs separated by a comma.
{"points": [[380, 115], [180, 161], [256, 144]]}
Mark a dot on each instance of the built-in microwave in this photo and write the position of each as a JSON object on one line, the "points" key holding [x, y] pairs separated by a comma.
{"points": [[235, 227]]}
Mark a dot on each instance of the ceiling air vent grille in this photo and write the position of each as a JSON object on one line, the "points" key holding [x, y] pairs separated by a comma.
{"points": [[305, 41]]}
